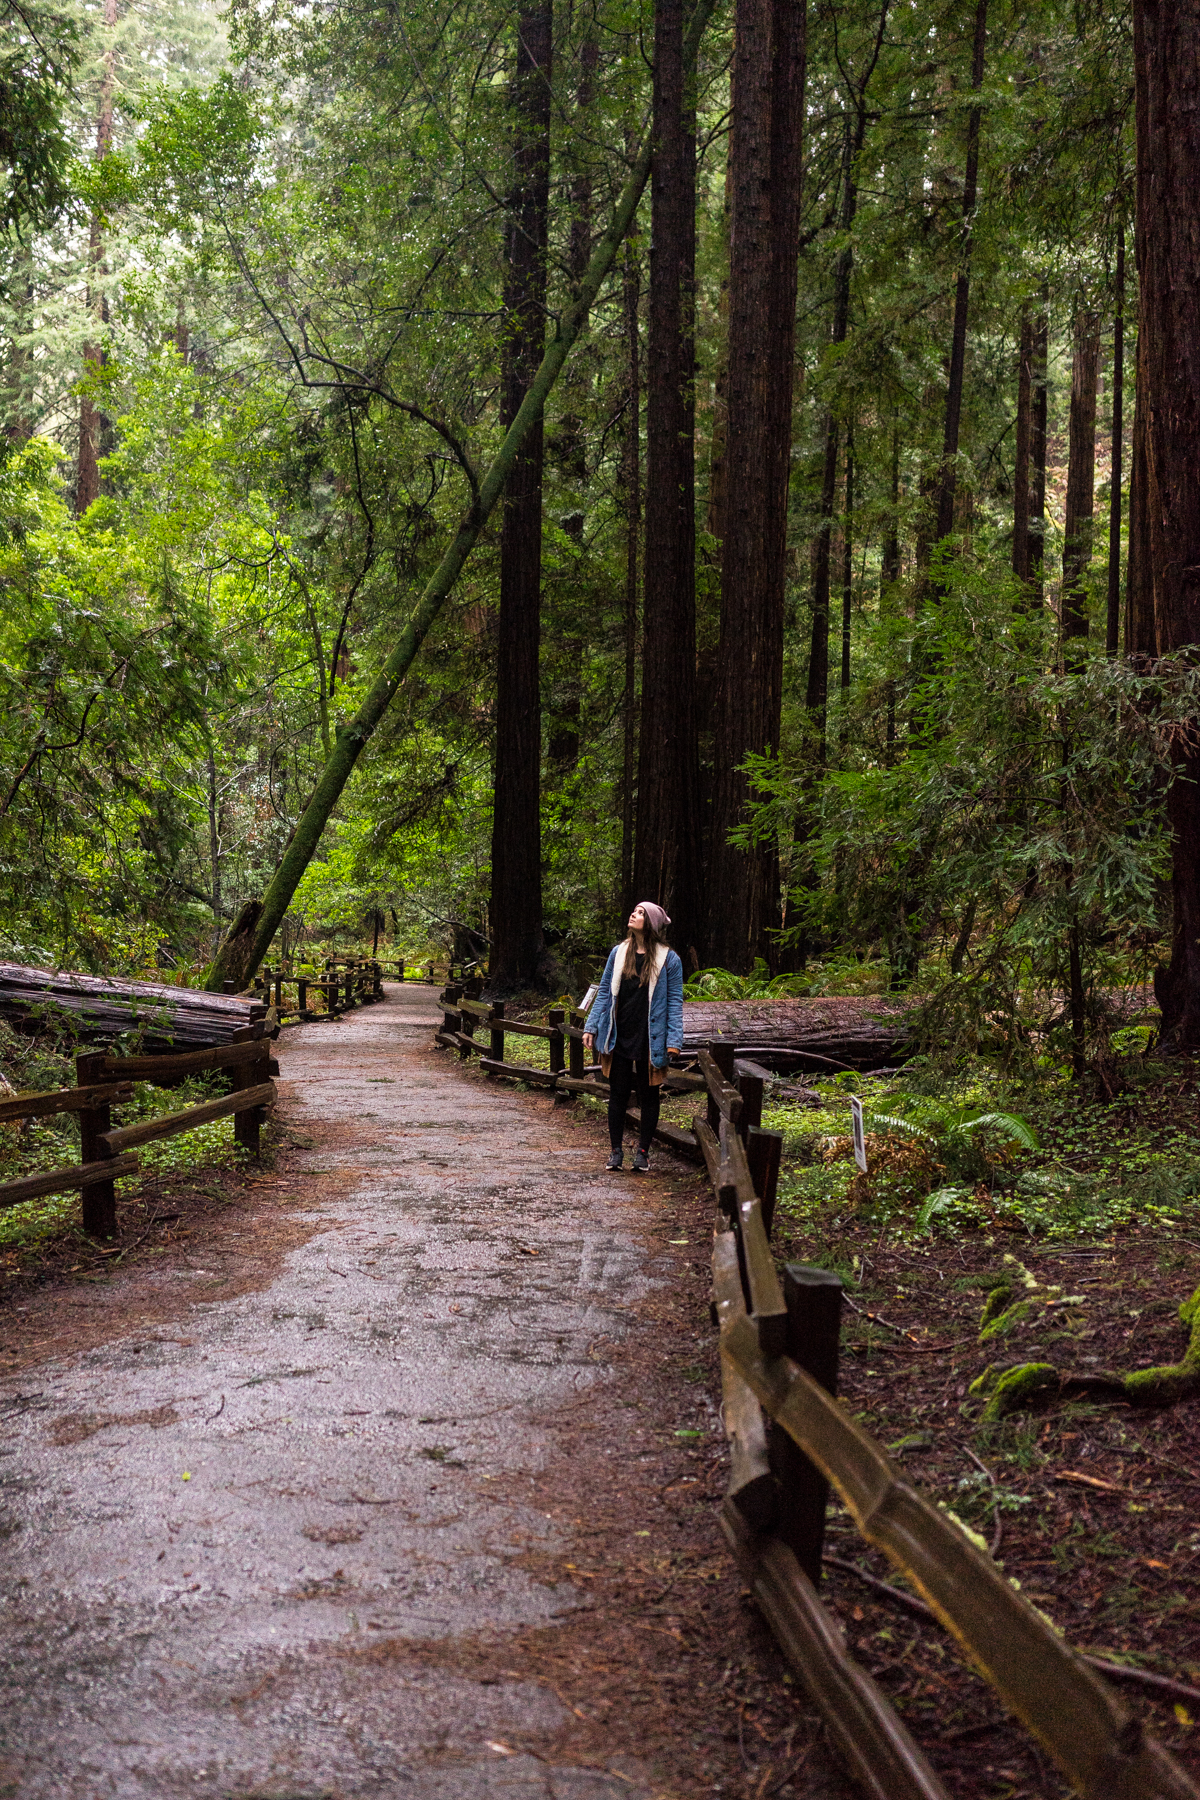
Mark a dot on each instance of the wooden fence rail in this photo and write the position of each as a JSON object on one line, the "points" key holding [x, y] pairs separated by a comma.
{"points": [[104, 1149], [790, 1441]]}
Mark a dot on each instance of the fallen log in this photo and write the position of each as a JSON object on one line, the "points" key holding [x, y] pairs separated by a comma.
{"points": [[101, 1008]]}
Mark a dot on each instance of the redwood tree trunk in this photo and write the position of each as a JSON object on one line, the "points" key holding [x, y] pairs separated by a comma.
{"points": [[631, 482], [518, 949], [1081, 483], [666, 854], [1037, 453], [948, 482], [93, 425], [1167, 65], [1112, 633], [1020, 549], [768, 110]]}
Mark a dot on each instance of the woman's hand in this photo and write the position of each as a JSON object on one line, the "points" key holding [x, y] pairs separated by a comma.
{"points": [[589, 1040]]}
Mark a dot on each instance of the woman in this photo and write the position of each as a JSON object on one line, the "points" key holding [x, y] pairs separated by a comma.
{"points": [[637, 1018]]}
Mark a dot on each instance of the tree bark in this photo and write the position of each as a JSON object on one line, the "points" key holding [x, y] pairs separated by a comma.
{"points": [[666, 854], [1037, 453], [764, 242], [1112, 634], [848, 559], [1081, 483], [93, 425], [562, 750], [1167, 73], [948, 482], [518, 947], [889, 572], [1020, 549], [632, 484], [1139, 588], [242, 952]]}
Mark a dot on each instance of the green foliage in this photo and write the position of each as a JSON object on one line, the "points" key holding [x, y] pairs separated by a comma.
{"points": [[760, 984]]}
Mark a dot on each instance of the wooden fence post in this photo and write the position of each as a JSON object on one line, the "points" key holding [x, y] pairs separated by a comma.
{"points": [[763, 1152], [246, 1075], [302, 998], [99, 1197], [555, 1021], [723, 1055], [279, 987], [813, 1298], [466, 1025], [400, 970], [229, 987], [496, 1021], [575, 1053], [750, 1087]]}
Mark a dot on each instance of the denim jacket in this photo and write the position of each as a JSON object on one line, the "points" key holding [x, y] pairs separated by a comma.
{"points": [[666, 1004]]}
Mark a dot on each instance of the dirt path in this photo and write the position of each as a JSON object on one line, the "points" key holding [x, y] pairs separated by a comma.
{"points": [[380, 1525]]}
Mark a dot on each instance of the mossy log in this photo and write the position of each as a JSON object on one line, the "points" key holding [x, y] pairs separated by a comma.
{"points": [[1027, 1384]]}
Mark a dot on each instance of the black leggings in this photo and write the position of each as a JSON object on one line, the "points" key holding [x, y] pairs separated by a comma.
{"points": [[623, 1076]]}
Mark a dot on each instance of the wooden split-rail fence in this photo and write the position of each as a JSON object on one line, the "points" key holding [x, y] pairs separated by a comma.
{"points": [[346, 982], [105, 1150], [791, 1442]]}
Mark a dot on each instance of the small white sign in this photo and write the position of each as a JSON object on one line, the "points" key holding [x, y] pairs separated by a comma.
{"points": [[860, 1147], [585, 1005]]}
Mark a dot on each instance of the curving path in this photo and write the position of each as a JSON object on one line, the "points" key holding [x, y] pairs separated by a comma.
{"points": [[217, 1538]]}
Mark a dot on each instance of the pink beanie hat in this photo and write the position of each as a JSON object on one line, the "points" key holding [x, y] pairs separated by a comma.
{"points": [[656, 916]]}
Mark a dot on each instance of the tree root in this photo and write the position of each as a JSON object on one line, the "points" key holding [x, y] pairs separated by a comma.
{"points": [[1016, 1389]]}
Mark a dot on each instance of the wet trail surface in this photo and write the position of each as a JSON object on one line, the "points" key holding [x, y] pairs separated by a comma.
{"points": [[211, 1531]]}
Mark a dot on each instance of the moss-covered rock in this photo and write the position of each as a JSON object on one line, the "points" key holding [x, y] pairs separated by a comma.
{"points": [[1172, 1382], [997, 1300], [1003, 1322], [1021, 1387]]}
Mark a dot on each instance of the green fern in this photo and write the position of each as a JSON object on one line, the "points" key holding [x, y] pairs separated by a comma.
{"points": [[890, 1122], [1015, 1130]]}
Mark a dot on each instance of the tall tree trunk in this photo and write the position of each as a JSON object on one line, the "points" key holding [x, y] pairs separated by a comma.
{"points": [[1112, 634], [251, 935], [889, 571], [92, 423], [16, 404], [1139, 588], [764, 241], [1038, 438], [948, 480], [518, 948], [1167, 71], [1081, 482], [1020, 549], [631, 482], [848, 559], [562, 750], [666, 859]]}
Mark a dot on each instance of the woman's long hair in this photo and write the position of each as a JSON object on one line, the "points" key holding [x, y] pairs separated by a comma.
{"points": [[650, 943]]}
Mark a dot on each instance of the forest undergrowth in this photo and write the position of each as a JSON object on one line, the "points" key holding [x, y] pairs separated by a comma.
{"points": [[1003, 1224]]}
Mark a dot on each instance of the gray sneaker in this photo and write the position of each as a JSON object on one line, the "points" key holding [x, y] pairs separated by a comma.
{"points": [[641, 1162], [616, 1159]]}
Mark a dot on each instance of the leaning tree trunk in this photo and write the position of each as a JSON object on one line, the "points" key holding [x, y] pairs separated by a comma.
{"points": [[241, 953], [1167, 69], [518, 948], [1081, 483], [666, 856], [764, 238]]}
